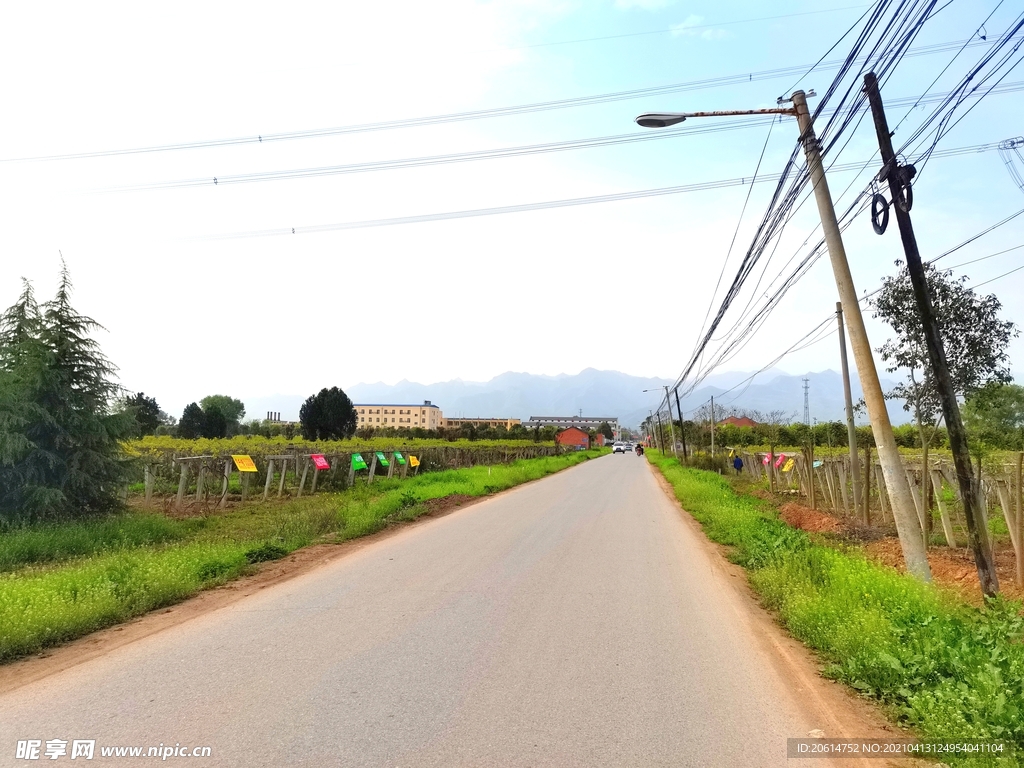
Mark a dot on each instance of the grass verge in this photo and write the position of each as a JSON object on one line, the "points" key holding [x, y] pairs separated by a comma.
{"points": [[950, 671], [66, 581]]}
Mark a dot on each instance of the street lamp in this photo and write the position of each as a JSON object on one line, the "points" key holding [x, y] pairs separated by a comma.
{"points": [[904, 509]]}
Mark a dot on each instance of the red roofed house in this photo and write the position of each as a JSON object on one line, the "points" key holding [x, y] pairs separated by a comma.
{"points": [[739, 421], [575, 437]]}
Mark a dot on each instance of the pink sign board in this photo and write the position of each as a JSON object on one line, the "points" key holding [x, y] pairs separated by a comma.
{"points": [[319, 461]]}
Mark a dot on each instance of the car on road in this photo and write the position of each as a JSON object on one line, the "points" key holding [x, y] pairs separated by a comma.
{"points": [[618, 447]]}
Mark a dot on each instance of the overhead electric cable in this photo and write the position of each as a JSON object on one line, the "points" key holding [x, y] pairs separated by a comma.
{"points": [[523, 207], [480, 114], [490, 154]]}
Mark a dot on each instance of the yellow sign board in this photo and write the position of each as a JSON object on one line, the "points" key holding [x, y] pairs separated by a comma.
{"points": [[788, 466], [413, 461], [244, 463]]}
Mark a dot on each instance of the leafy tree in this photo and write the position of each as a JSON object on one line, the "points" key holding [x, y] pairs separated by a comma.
{"points": [[192, 423], [606, 429], [995, 415], [231, 409], [60, 437], [974, 338], [328, 415], [215, 424], [148, 415]]}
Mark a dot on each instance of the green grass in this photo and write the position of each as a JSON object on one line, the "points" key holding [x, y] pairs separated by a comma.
{"points": [[946, 669], [55, 542], [66, 581]]}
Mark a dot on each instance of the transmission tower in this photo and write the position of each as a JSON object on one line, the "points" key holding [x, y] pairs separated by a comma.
{"points": [[807, 403]]}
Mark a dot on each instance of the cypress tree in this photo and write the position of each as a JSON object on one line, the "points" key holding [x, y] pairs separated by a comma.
{"points": [[60, 435]]}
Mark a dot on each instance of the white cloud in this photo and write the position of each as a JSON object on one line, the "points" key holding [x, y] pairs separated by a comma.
{"points": [[692, 27]]}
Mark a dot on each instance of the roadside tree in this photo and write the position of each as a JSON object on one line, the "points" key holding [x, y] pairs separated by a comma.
{"points": [[328, 415], [192, 424], [60, 427]]}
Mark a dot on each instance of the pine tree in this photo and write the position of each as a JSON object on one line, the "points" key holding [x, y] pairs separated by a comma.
{"points": [[192, 423], [60, 437]]}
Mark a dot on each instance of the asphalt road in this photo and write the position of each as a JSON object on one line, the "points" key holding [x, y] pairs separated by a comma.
{"points": [[575, 621]]}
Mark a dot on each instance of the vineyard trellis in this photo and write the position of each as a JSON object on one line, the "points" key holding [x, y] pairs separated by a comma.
{"points": [[187, 482], [828, 482]]}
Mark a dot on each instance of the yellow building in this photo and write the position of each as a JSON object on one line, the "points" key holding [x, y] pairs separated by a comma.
{"points": [[398, 415]]}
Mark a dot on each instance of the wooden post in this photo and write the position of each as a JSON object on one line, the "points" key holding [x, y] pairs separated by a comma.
{"points": [[227, 482], [270, 476], [201, 481], [1019, 498], [947, 524], [245, 485], [883, 500], [841, 473], [305, 471], [149, 484], [312, 488], [866, 513], [1009, 514], [181, 484], [391, 466], [373, 468], [405, 467], [351, 474], [918, 506], [284, 473]]}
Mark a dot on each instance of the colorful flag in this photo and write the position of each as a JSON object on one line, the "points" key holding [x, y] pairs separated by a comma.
{"points": [[818, 464], [382, 459], [357, 461], [399, 459], [319, 461], [413, 461], [778, 461], [766, 459], [244, 463], [788, 467]]}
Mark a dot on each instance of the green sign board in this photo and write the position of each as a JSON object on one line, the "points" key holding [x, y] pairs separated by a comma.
{"points": [[399, 459], [357, 461], [382, 459]]}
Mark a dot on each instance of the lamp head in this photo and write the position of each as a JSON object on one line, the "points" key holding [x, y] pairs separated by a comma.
{"points": [[659, 119]]}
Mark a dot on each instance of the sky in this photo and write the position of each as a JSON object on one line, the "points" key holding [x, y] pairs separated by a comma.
{"points": [[194, 300]]}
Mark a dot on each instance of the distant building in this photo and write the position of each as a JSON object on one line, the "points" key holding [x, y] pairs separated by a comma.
{"points": [[573, 437], [398, 415], [738, 421], [586, 423], [481, 423]]}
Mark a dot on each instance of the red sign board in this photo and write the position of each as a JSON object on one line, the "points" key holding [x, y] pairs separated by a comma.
{"points": [[319, 461]]}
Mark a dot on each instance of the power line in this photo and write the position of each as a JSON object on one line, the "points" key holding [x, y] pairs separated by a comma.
{"points": [[998, 277], [480, 114], [569, 202], [492, 154]]}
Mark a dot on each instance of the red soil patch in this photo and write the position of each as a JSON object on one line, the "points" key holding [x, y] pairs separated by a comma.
{"points": [[953, 568], [808, 519]]}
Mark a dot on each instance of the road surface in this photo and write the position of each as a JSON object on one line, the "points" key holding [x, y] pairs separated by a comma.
{"points": [[575, 621]]}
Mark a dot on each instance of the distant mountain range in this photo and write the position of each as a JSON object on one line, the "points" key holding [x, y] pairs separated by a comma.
{"points": [[601, 393]]}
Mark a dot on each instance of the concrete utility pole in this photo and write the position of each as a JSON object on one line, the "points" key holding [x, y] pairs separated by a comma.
{"points": [[904, 511], [661, 432], [712, 426], [671, 428], [851, 430], [969, 485], [682, 429]]}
